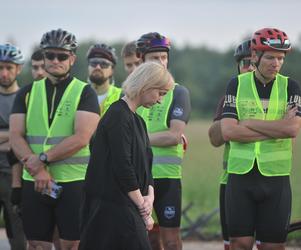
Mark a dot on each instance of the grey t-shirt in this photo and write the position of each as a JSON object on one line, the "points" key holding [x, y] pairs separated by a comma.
{"points": [[6, 104]]}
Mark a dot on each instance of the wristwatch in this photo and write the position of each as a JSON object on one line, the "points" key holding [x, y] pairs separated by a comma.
{"points": [[43, 158]]}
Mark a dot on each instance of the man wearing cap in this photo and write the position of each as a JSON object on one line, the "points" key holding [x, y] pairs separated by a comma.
{"points": [[50, 134], [102, 60]]}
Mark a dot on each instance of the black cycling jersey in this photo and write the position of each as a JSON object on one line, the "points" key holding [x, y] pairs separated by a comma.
{"points": [[88, 101], [180, 107], [264, 91], [219, 110]]}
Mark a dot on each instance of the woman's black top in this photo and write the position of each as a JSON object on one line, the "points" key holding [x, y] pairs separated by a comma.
{"points": [[121, 157]]}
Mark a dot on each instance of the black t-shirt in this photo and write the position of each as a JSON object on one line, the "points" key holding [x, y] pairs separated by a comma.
{"points": [[88, 100], [264, 91], [180, 107], [219, 110]]}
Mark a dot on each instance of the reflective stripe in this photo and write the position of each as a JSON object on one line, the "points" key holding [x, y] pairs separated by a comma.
{"points": [[83, 160], [167, 160], [41, 140], [55, 140], [35, 139]]}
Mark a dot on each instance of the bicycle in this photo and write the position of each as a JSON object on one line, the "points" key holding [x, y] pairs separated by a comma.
{"points": [[294, 234], [294, 227], [196, 226]]}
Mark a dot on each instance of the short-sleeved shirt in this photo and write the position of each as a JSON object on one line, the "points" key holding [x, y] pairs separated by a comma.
{"points": [[88, 100], [6, 103], [180, 107], [264, 91], [219, 110]]}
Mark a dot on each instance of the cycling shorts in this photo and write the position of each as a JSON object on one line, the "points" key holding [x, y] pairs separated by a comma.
{"points": [[258, 205], [40, 213], [168, 202]]}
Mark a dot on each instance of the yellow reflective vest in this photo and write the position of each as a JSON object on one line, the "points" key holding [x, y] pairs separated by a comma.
{"points": [[274, 156], [113, 95], [167, 161], [42, 137]]}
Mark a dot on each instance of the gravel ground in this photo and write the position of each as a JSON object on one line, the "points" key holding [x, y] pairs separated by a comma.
{"points": [[212, 245], [187, 245]]}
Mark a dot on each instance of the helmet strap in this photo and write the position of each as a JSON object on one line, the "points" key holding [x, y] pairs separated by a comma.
{"points": [[257, 65]]}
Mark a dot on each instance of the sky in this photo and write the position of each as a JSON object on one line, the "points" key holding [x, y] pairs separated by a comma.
{"points": [[217, 24]]}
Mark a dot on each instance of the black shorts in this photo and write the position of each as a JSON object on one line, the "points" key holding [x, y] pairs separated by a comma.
{"points": [[258, 205], [40, 214], [168, 202], [222, 212]]}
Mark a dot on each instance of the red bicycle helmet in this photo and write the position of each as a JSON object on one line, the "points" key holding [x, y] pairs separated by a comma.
{"points": [[268, 39]]}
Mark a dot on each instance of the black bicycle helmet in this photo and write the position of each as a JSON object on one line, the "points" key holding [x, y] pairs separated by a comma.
{"points": [[242, 50], [11, 53], [59, 39], [102, 51], [152, 42]]}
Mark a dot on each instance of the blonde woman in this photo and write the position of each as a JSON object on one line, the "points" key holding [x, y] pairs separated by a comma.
{"points": [[119, 186]]}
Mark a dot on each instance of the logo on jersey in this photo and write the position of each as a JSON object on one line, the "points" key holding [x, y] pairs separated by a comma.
{"points": [[178, 111], [169, 212]]}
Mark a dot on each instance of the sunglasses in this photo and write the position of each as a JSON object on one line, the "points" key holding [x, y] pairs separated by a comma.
{"points": [[59, 56], [101, 63], [245, 63], [278, 44]]}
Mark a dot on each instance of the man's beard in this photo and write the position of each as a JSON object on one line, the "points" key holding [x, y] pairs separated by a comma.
{"points": [[7, 85], [98, 79], [58, 75]]}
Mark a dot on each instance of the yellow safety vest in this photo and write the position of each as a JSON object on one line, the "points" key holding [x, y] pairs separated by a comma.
{"points": [[274, 156], [167, 161], [113, 95], [41, 137]]}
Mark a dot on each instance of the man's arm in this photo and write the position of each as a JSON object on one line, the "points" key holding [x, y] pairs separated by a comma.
{"points": [[170, 137], [4, 141], [232, 130], [4, 136], [4, 147], [215, 134], [285, 128], [23, 151], [17, 135], [84, 127], [17, 170]]}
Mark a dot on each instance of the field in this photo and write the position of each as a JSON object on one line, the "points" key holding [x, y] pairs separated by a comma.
{"points": [[202, 168]]}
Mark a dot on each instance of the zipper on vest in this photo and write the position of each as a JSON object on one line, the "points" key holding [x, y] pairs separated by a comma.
{"points": [[52, 103]]}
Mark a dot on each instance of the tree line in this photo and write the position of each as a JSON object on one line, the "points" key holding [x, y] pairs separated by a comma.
{"points": [[202, 70]]}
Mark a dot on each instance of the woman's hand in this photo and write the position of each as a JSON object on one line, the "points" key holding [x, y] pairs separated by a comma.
{"points": [[147, 206], [149, 222]]}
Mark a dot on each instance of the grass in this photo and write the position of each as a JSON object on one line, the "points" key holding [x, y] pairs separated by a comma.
{"points": [[202, 168]]}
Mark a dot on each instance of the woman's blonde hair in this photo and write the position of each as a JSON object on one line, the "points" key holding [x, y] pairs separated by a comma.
{"points": [[148, 75]]}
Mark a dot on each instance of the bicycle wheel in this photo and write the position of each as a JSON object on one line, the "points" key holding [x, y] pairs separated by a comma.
{"points": [[294, 234], [294, 227]]}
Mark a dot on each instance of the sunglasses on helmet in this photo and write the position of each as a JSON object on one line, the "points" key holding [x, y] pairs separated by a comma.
{"points": [[59, 56], [104, 64], [278, 44]]}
